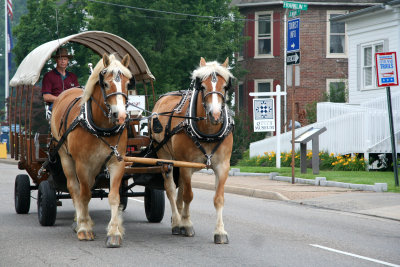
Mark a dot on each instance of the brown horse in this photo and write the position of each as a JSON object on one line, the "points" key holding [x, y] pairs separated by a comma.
{"points": [[205, 139], [96, 139]]}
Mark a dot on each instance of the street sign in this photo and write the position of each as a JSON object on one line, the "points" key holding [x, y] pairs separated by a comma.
{"points": [[386, 69], [295, 5], [264, 115], [294, 13], [293, 43], [293, 58]]}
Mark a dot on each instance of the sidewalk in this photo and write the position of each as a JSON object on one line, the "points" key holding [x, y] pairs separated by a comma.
{"points": [[383, 205]]}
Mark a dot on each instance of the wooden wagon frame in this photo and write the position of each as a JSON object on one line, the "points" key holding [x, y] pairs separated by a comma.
{"points": [[31, 150]]}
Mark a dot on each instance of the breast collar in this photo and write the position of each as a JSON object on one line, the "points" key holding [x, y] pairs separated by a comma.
{"points": [[192, 129], [86, 121]]}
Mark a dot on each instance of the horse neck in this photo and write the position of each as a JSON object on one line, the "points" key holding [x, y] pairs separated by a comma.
{"points": [[98, 116], [205, 126]]}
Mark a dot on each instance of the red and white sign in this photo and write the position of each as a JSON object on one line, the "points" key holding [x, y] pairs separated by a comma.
{"points": [[386, 69]]}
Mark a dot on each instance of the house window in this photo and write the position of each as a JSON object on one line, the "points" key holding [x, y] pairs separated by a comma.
{"points": [[336, 35], [263, 34], [263, 86], [368, 72], [336, 90]]}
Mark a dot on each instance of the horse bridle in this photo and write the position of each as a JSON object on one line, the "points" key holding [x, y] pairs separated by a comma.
{"points": [[106, 96], [213, 80]]}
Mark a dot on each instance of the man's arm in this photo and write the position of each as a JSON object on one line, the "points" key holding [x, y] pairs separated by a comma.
{"points": [[49, 98]]}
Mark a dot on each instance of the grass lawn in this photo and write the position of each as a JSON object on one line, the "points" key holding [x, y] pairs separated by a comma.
{"points": [[354, 177]]}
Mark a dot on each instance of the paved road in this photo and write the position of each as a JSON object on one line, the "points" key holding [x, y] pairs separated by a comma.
{"points": [[262, 233]]}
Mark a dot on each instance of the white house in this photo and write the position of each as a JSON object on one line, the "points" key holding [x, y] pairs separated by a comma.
{"points": [[362, 124]]}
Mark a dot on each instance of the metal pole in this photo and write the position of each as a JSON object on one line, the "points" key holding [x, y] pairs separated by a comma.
{"points": [[285, 71], [293, 126], [394, 154], [6, 54], [278, 126]]}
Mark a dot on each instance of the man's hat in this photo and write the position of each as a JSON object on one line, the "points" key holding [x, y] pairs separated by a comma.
{"points": [[62, 52]]}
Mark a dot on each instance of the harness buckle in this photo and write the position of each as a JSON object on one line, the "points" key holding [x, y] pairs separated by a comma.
{"points": [[116, 153], [208, 162]]}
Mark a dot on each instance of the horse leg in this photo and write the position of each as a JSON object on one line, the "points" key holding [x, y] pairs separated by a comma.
{"points": [[221, 174], [85, 223], [185, 189], [170, 189], [115, 230], [72, 181]]}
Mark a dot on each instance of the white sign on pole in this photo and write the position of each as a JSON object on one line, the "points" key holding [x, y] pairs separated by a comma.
{"points": [[264, 115], [138, 104], [386, 69]]}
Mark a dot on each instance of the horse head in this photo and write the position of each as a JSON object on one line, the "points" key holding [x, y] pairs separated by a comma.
{"points": [[113, 77], [214, 80]]}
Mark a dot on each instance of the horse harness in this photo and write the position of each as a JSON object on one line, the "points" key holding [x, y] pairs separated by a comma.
{"points": [[85, 120], [189, 125]]}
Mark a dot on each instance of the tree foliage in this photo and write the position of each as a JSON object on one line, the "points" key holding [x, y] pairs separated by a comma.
{"points": [[172, 44]]}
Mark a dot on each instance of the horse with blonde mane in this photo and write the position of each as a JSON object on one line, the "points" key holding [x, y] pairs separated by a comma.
{"points": [[204, 136], [89, 131]]}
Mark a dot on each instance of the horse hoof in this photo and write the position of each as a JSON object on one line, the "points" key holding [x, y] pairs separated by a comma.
{"points": [[187, 231], [221, 239], [86, 235], [176, 230], [113, 241]]}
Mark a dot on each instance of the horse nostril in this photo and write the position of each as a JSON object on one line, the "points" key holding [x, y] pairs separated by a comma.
{"points": [[115, 115]]}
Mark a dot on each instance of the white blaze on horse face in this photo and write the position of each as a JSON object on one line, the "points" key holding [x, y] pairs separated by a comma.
{"points": [[120, 107], [215, 105]]}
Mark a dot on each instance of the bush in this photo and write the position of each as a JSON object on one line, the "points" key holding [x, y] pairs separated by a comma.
{"points": [[327, 161]]}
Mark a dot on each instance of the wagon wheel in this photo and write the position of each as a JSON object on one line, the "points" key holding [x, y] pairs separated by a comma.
{"points": [[154, 204], [47, 204], [123, 200], [22, 194]]}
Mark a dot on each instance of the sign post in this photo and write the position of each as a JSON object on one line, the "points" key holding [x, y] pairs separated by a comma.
{"points": [[387, 75], [278, 95], [293, 45]]}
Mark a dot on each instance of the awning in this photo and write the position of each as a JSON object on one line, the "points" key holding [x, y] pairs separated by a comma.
{"points": [[28, 72]]}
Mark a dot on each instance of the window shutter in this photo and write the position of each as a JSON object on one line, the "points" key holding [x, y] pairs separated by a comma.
{"points": [[250, 89], [277, 34], [251, 34]]}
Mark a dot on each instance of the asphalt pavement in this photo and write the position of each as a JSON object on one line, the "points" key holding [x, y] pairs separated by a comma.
{"points": [[341, 197]]}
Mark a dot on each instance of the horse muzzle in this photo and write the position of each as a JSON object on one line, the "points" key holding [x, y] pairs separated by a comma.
{"points": [[216, 117], [118, 117]]}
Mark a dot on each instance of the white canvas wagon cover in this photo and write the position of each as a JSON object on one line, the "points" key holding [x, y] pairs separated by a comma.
{"points": [[28, 72]]}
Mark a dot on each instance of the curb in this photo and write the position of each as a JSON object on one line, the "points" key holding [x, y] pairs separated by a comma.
{"points": [[243, 191], [318, 181]]}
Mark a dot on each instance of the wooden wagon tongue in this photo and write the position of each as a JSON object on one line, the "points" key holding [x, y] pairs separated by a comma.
{"points": [[175, 163]]}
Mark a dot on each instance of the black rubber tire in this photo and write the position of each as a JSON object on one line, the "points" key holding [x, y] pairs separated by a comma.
{"points": [[47, 204], [154, 205], [22, 194], [123, 200]]}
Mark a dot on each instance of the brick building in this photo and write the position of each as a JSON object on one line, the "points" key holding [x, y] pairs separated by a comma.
{"points": [[323, 48]]}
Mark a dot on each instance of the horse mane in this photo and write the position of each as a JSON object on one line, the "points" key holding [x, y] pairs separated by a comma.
{"points": [[203, 72], [115, 64]]}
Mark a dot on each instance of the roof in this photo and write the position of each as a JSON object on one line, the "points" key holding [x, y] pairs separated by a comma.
{"points": [[367, 11], [248, 3], [28, 72]]}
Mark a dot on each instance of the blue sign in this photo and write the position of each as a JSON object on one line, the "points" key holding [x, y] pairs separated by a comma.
{"points": [[293, 38]]}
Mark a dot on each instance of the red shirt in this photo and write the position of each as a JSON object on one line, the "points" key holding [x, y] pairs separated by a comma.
{"points": [[54, 84]]}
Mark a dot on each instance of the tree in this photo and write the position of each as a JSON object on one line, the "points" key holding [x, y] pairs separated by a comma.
{"points": [[172, 44]]}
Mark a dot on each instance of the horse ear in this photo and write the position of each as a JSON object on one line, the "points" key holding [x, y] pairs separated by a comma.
{"points": [[106, 60], [226, 63], [125, 60], [202, 62]]}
